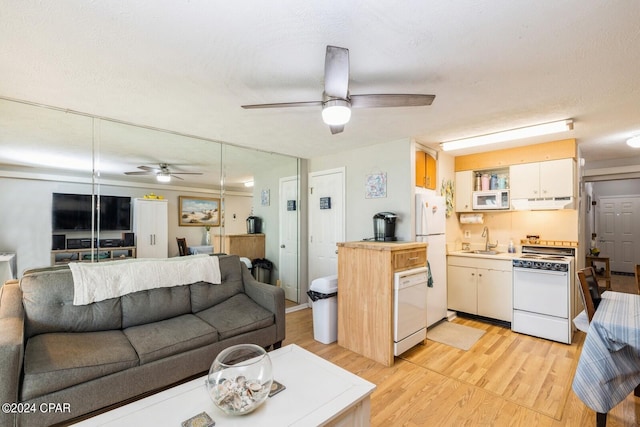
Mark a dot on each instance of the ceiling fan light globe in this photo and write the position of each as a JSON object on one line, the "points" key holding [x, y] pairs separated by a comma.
{"points": [[163, 178], [634, 142], [336, 112]]}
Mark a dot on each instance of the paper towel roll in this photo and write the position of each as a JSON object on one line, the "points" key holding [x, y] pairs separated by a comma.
{"points": [[476, 218]]}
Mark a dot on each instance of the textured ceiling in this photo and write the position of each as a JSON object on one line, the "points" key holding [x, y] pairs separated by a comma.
{"points": [[187, 66]]}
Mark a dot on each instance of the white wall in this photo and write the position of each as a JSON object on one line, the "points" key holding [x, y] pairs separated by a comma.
{"points": [[392, 158], [25, 217]]}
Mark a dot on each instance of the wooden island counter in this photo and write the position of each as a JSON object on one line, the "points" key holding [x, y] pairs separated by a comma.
{"points": [[365, 293]]}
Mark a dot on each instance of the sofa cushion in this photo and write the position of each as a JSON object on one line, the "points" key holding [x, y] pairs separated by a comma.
{"points": [[47, 296], [205, 295], [152, 305], [59, 360], [237, 315], [165, 338]]}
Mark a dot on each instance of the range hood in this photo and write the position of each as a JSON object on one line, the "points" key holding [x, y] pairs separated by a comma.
{"points": [[548, 204]]}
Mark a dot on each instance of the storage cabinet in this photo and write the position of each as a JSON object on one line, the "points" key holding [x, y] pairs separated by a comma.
{"points": [[425, 170], [151, 227], [554, 178], [463, 191], [365, 298], [480, 286], [245, 245]]}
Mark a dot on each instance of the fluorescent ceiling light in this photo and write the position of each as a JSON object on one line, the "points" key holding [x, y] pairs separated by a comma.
{"points": [[509, 135], [162, 177], [336, 112], [634, 142]]}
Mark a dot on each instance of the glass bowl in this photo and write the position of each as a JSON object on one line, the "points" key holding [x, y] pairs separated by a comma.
{"points": [[240, 379]]}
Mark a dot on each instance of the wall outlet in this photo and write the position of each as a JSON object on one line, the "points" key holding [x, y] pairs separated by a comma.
{"points": [[467, 234]]}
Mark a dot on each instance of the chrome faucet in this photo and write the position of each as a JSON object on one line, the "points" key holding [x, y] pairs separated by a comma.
{"points": [[487, 246]]}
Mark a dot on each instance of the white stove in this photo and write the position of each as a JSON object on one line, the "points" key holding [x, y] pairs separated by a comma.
{"points": [[543, 292]]}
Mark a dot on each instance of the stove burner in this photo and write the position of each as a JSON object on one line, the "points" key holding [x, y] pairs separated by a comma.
{"points": [[541, 263]]}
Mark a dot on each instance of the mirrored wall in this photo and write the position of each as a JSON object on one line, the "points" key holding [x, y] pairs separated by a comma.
{"points": [[49, 156]]}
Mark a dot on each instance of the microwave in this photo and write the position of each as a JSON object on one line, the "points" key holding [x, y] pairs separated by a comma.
{"points": [[491, 199]]}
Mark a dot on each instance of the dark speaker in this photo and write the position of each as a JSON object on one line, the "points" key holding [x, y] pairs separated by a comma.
{"points": [[58, 242], [74, 243], [127, 239]]}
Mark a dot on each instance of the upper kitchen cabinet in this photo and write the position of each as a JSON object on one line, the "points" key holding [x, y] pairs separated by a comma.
{"points": [[554, 178], [425, 170], [463, 193]]}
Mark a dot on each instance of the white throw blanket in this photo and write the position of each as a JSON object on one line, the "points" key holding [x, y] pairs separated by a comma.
{"points": [[103, 280]]}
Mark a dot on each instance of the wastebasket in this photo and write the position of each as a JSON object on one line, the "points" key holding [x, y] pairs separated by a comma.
{"points": [[262, 270], [323, 292]]}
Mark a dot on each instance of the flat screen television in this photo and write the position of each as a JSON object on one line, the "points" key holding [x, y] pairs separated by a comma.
{"points": [[73, 212]]}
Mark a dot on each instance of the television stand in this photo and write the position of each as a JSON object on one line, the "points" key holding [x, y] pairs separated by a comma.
{"points": [[99, 254]]}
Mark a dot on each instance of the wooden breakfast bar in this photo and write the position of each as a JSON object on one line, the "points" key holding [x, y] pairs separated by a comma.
{"points": [[365, 293]]}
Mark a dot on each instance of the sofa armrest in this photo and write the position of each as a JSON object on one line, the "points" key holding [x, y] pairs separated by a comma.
{"points": [[11, 345], [267, 296]]}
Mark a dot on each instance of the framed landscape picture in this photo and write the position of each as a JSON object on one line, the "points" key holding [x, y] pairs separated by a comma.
{"points": [[198, 211]]}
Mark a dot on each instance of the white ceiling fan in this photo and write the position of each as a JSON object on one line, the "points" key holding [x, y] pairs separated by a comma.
{"points": [[337, 101], [162, 173]]}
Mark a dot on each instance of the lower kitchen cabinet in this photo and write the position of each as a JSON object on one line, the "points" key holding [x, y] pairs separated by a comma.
{"points": [[480, 286]]}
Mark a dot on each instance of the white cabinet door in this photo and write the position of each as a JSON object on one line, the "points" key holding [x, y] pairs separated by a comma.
{"points": [[150, 221], [494, 294], [556, 178], [524, 181], [462, 289], [464, 188]]}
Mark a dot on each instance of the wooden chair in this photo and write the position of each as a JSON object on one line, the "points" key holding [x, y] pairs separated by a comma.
{"points": [[638, 278], [182, 246], [589, 290]]}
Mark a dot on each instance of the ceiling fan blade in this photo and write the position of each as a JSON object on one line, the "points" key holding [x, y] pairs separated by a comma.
{"points": [[336, 72], [176, 177], [186, 173], [148, 168], [336, 129], [140, 173], [284, 105], [391, 100]]}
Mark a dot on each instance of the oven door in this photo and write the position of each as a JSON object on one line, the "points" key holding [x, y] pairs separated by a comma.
{"points": [[541, 291]]}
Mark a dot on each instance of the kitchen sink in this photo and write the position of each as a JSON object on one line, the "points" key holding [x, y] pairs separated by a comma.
{"points": [[482, 252]]}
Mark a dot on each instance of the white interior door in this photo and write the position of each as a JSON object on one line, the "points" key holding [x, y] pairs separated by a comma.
{"points": [[326, 221], [288, 265], [618, 233]]}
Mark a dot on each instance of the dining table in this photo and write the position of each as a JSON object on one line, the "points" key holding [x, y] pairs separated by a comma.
{"points": [[609, 366]]}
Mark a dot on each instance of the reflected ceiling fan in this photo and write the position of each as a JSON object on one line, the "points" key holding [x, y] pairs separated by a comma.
{"points": [[337, 101], [162, 173]]}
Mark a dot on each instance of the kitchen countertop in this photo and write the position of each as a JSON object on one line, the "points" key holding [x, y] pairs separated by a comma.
{"points": [[500, 255], [382, 246]]}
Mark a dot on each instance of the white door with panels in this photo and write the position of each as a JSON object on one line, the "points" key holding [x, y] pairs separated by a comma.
{"points": [[151, 228], [326, 221], [618, 232], [288, 265]]}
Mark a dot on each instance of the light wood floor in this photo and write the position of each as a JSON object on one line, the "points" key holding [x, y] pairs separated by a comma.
{"points": [[505, 379]]}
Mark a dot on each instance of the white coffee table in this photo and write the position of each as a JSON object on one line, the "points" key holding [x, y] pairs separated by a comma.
{"points": [[317, 393]]}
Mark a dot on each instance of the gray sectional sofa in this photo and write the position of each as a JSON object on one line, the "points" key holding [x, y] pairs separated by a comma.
{"points": [[84, 358]]}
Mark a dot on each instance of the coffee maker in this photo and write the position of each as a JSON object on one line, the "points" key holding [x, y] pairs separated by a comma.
{"points": [[384, 226], [253, 225]]}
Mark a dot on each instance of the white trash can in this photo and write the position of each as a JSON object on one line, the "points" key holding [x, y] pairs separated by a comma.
{"points": [[323, 292]]}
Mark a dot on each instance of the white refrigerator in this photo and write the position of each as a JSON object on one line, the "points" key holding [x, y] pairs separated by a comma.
{"points": [[430, 228]]}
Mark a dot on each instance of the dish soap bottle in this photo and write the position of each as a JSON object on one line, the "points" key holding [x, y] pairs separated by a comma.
{"points": [[512, 248]]}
